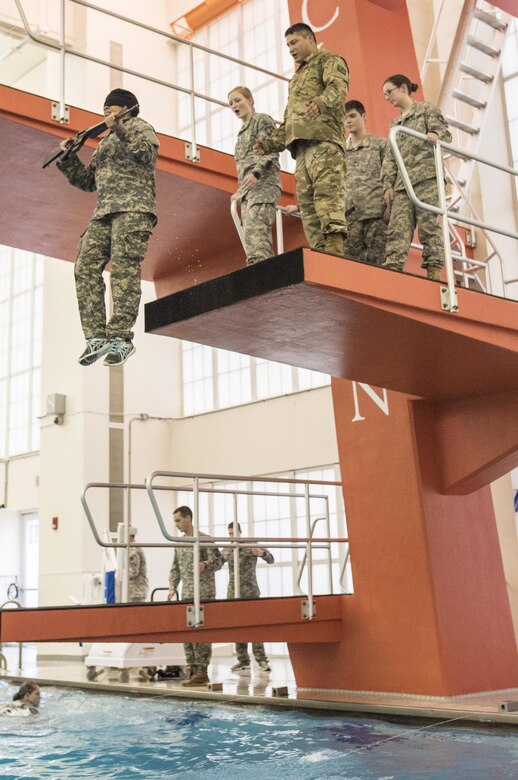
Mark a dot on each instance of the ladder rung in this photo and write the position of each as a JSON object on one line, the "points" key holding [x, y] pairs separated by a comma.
{"points": [[492, 21], [472, 101], [487, 78], [454, 122], [479, 45]]}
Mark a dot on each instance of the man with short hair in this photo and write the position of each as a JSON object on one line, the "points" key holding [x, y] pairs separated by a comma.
{"points": [[249, 589], [364, 203], [122, 170], [197, 654], [313, 131]]}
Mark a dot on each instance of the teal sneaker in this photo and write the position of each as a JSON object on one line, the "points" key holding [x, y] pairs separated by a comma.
{"points": [[95, 348], [119, 351]]}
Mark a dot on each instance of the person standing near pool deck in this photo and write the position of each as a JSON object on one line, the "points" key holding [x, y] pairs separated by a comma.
{"points": [[197, 654]]}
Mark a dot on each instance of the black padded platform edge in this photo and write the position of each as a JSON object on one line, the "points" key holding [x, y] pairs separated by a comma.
{"points": [[276, 273]]}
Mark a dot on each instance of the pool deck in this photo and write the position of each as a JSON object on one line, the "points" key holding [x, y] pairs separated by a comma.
{"points": [[259, 688]]}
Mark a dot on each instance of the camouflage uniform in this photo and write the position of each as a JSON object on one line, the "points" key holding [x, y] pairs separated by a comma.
{"points": [[18, 709], [249, 590], [258, 204], [138, 584], [122, 171], [364, 204], [318, 145], [182, 570], [418, 157]]}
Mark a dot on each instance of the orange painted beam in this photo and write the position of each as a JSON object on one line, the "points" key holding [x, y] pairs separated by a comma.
{"points": [[475, 441], [268, 620]]}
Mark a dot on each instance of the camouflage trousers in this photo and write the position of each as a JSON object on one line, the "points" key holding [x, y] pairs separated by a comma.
{"points": [[320, 180], [257, 649], [197, 653], [404, 217], [121, 238], [366, 241], [257, 219]]}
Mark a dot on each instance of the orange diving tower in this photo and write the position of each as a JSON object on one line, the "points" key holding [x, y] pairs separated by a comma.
{"points": [[430, 613]]}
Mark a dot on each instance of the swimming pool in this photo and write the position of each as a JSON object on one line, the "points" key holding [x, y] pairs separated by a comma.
{"points": [[103, 736]]}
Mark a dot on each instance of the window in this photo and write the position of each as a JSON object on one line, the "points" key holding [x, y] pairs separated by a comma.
{"points": [[217, 379], [21, 312], [254, 33]]}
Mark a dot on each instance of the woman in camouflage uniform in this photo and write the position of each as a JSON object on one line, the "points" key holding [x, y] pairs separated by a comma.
{"points": [[259, 185], [419, 160]]}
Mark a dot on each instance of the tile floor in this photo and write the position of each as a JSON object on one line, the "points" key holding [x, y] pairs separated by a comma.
{"points": [[259, 688]]}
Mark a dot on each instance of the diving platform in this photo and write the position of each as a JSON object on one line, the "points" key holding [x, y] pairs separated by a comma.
{"points": [[351, 320], [250, 620]]}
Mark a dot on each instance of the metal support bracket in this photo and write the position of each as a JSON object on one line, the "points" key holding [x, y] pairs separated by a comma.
{"points": [[191, 616], [308, 611], [446, 303], [63, 120], [192, 153]]}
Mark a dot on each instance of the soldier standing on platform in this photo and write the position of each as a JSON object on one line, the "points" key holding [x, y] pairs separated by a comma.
{"points": [[249, 588], [365, 206], [313, 131], [259, 185], [418, 157], [122, 170], [197, 654], [137, 582]]}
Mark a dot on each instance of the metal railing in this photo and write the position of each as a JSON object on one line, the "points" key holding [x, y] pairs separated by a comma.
{"points": [[3, 659], [450, 302], [207, 483], [63, 49]]}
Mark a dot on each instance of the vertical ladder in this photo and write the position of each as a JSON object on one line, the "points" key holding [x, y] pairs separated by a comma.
{"points": [[471, 77]]}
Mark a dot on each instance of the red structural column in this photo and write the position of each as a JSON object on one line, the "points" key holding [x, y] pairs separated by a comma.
{"points": [[430, 613]]}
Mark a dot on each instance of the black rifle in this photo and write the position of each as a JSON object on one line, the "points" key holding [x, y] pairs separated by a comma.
{"points": [[74, 144]]}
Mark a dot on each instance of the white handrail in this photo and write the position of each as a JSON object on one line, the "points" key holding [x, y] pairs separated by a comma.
{"points": [[308, 543], [63, 50], [442, 209]]}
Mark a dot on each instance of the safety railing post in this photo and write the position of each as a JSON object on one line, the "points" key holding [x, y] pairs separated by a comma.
{"points": [[280, 231], [236, 551], [452, 303], [196, 551], [194, 145], [62, 63], [307, 503], [329, 551]]}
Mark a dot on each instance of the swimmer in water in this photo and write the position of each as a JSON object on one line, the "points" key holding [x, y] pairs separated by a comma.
{"points": [[25, 701]]}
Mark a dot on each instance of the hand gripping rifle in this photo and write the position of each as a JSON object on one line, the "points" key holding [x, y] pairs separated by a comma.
{"points": [[74, 144]]}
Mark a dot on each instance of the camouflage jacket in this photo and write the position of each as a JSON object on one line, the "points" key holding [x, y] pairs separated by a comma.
{"points": [[324, 76], [268, 187], [138, 584], [363, 188], [18, 709], [247, 574], [122, 170], [182, 570], [417, 155]]}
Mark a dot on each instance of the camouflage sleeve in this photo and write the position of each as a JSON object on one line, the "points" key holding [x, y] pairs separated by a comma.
{"points": [[436, 123], [335, 76], [134, 564], [175, 575], [267, 556], [277, 140], [140, 142], [78, 174], [388, 170], [265, 130], [214, 560]]}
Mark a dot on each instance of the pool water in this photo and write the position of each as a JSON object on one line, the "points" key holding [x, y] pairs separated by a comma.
{"points": [[103, 736]]}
